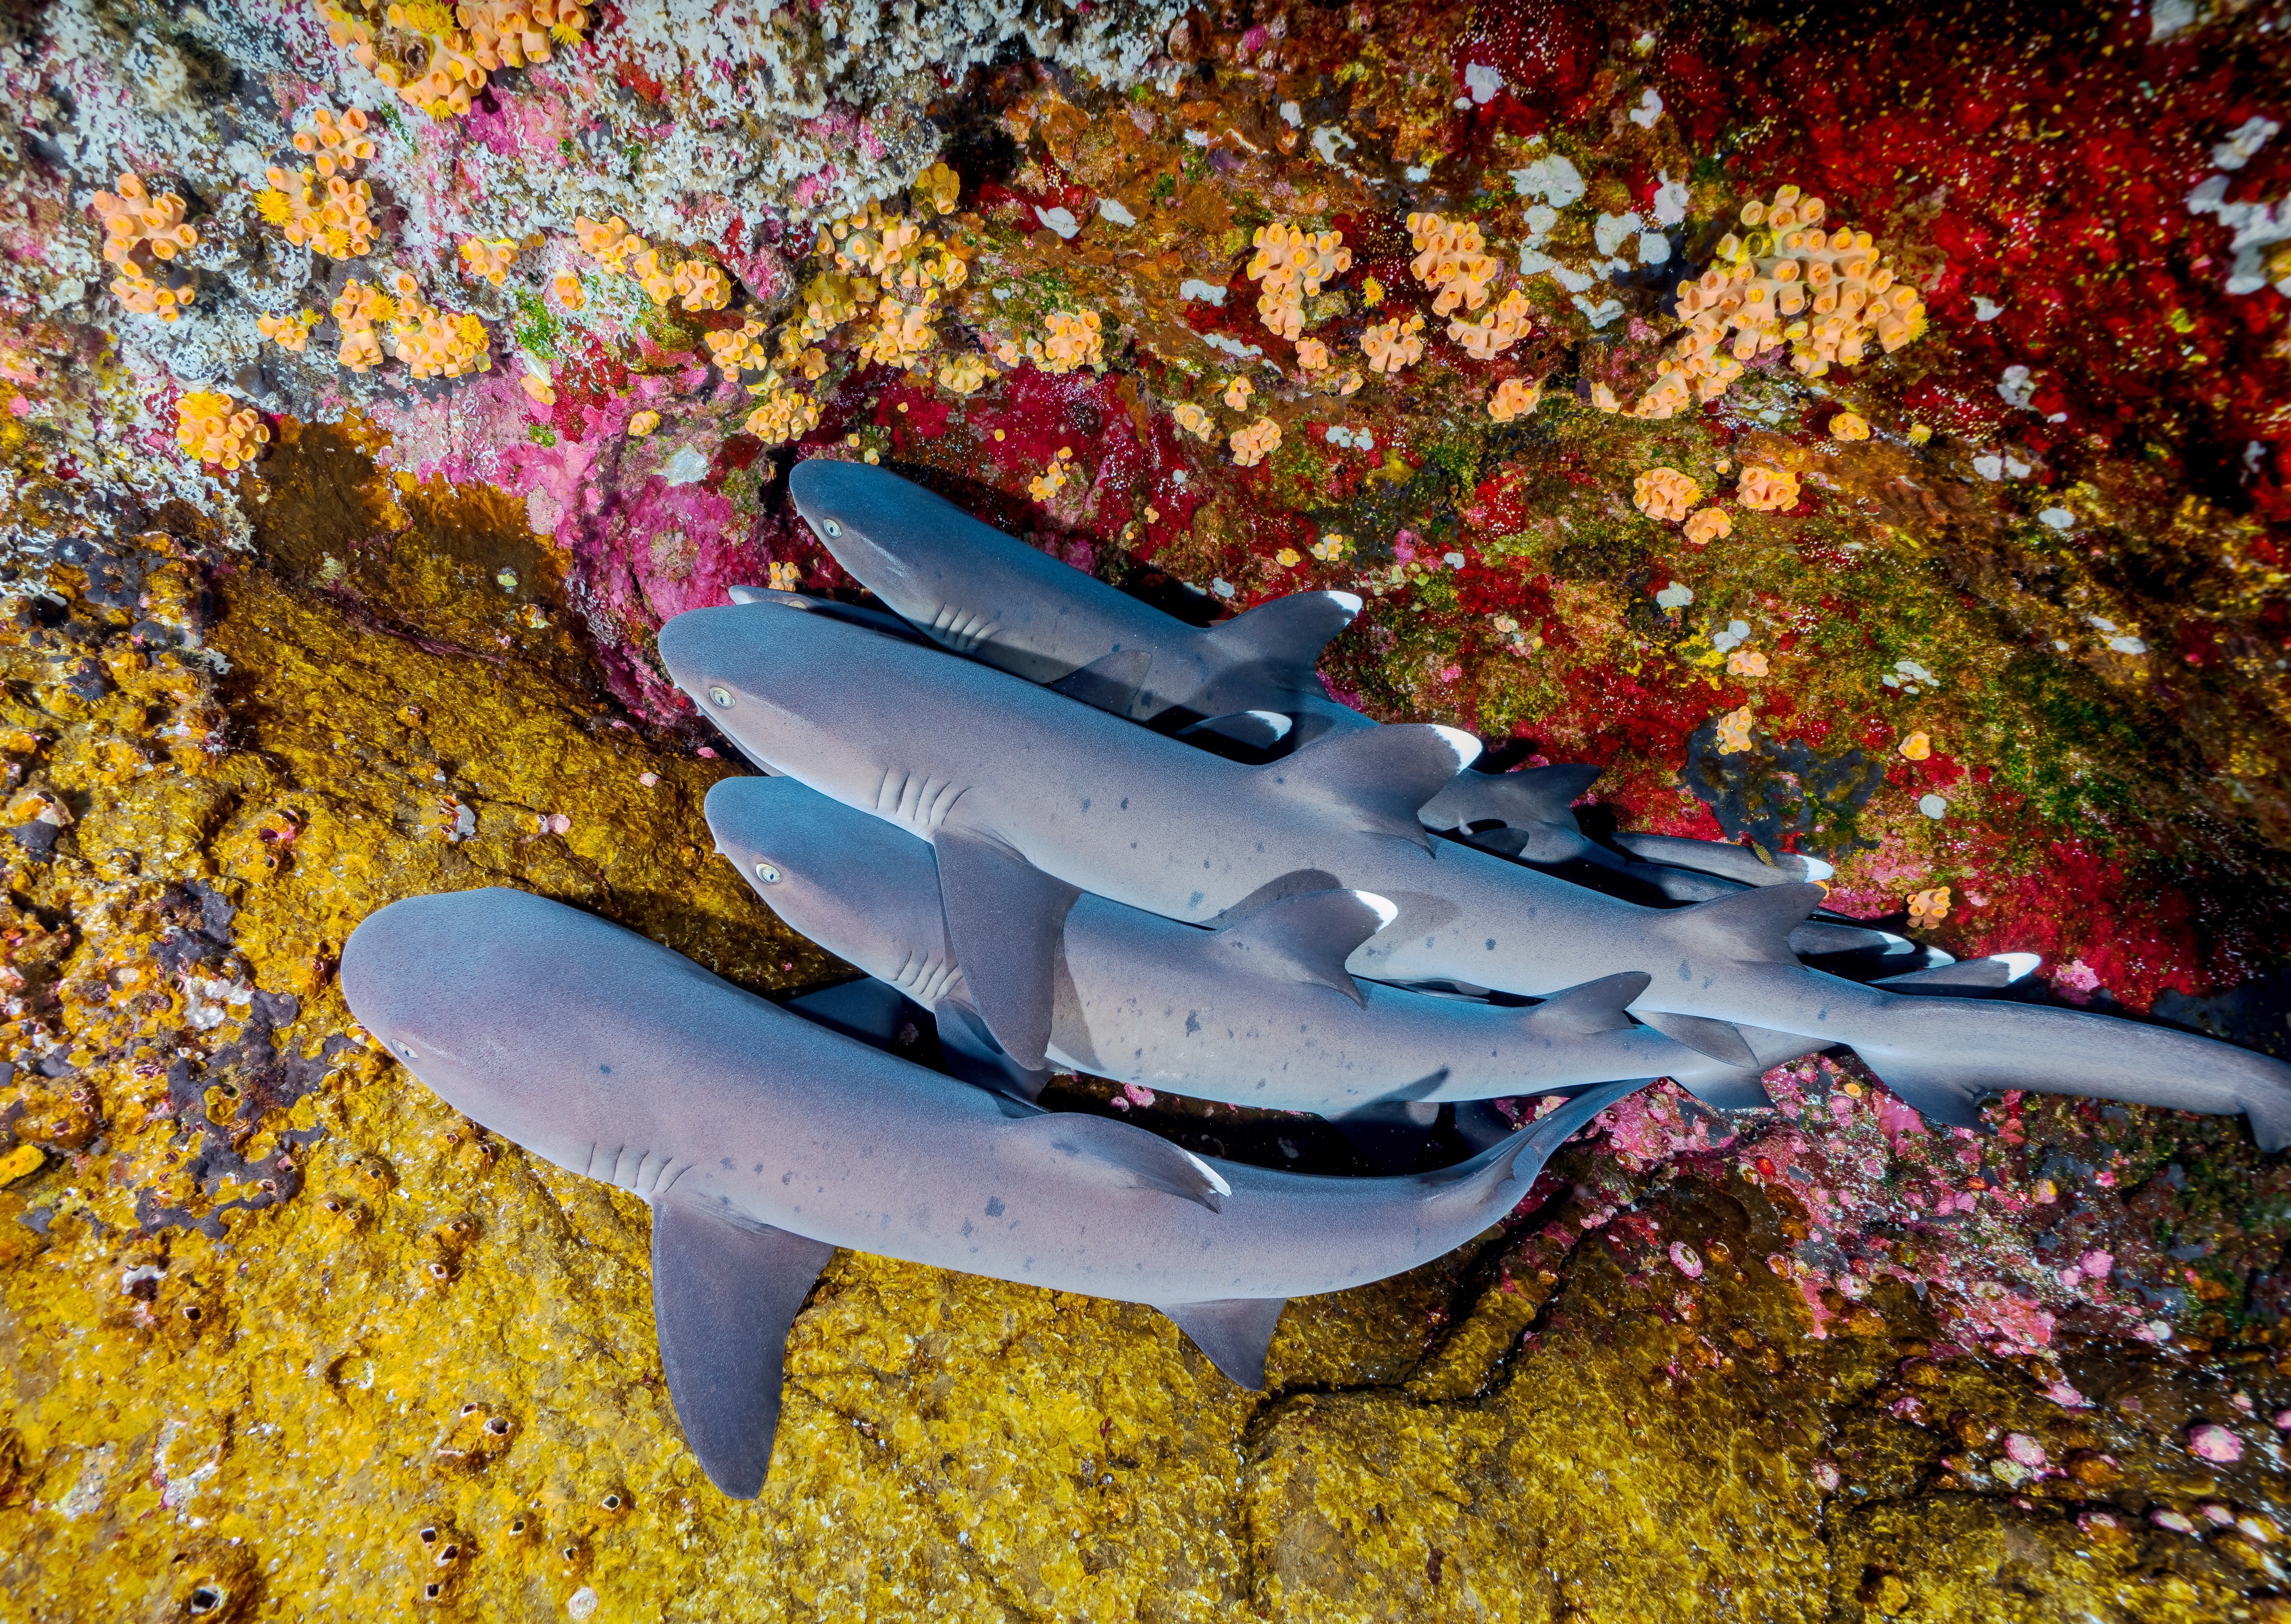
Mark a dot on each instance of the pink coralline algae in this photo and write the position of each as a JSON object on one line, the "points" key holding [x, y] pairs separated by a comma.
{"points": [[2209, 1440]]}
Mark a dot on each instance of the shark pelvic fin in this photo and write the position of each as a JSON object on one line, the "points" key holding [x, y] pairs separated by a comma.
{"points": [[1937, 1091], [1966, 977], [1004, 918], [870, 1010], [1110, 682], [968, 1051], [1252, 729], [723, 1297], [1308, 938], [1380, 774], [1716, 1038], [1753, 925], [1591, 1006], [1518, 800], [1741, 1091], [1125, 1158], [1280, 642], [1234, 1334]]}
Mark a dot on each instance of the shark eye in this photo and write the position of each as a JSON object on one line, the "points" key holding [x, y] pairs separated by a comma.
{"points": [[830, 527], [405, 1051], [722, 697], [767, 872]]}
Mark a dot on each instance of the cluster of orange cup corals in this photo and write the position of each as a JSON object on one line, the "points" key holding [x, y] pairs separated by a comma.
{"points": [[903, 333], [737, 350], [1253, 445], [1515, 397], [288, 331], [1829, 295], [608, 241], [436, 343], [207, 428], [327, 217], [357, 310], [1076, 340], [141, 234], [895, 251], [785, 412], [700, 285], [1451, 258], [1391, 345], [436, 56], [1496, 332], [965, 374], [1292, 264], [1319, 367], [1665, 494], [1767, 490], [489, 258], [337, 145]]}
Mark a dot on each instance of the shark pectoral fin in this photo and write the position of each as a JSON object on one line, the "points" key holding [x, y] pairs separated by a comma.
{"points": [[1753, 925], [1946, 1095], [1004, 919], [1256, 730], [723, 1296], [1593, 1006], [971, 1054], [1741, 1091], [1966, 977], [1110, 682], [1519, 801], [870, 1010], [1234, 1334], [1379, 774], [1716, 1038], [1308, 938], [1126, 1158], [1280, 642]]}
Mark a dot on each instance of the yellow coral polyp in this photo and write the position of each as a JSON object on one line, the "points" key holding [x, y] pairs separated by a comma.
{"points": [[1053, 479], [964, 375], [940, 187], [1929, 907], [1849, 426], [1496, 332], [902, 334], [141, 234], [609, 242], [1293, 264], [737, 350], [1076, 340], [1734, 732], [1451, 258], [209, 429], [567, 285], [1237, 393], [1193, 420], [784, 414], [357, 312], [489, 258], [697, 284], [1708, 526], [643, 423], [436, 343], [1392, 345], [1253, 445], [328, 216], [1829, 295], [1665, 494]]}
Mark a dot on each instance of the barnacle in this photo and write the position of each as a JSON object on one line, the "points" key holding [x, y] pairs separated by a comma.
{"points": [[436, 56], [141, 234], [1393, 344], [1767, 490], [1496, 332], [1451, 258], [1827, 295], [1665, 494], [1076, 340], [1514, 398], [288, 331], [489, 258], [1253, 445], [207, 428], [326, 215]]}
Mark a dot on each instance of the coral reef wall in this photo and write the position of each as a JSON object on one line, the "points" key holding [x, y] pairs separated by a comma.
{"points": [[1862, 435]]}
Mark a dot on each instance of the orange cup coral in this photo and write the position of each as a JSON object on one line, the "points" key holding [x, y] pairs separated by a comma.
{"points": [[1767, 490], [1514, 398], [1666, 495], [1253, 445], [207, 428], [1708, 526]]}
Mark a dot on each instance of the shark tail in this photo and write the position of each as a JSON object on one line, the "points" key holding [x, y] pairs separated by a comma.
{"points": [[1500, 1175]]}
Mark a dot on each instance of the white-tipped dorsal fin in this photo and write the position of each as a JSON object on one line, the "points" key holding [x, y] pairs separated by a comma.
{"points": [[1752, 926], [1280, 641], [1234, 1334], [1120, 1156], [1381, 775], [1308, 938], [1532, 796]]}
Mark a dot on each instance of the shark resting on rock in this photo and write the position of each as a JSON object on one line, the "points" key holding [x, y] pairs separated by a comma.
{"points": [[1261, 1013], [1027, 796], [762, 1143], [974, 590]]}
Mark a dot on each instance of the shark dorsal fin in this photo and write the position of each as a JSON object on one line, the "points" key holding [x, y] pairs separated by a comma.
{"points": [[1282, 640], [1005, 918], [723, 1297], [1123, 1157], [1592, 1006], [1379, 774], [1110, 682], [1751, 925], [1234, 1334], [1308, 938], [1522, 799]]}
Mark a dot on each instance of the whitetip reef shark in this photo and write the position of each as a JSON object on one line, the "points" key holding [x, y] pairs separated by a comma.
{"points": [[1027, 795], [1259, 1013], [762, 1143], [978, 591]]}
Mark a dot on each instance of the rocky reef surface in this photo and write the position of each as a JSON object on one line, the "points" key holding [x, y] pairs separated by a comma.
{"points": [[334, 538]]}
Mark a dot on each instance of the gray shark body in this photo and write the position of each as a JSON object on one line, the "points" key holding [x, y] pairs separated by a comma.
{"points": [[1261, 1013], [1028, 798], [763, 1142]]}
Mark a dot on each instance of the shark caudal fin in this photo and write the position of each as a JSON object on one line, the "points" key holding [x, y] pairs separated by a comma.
{"points": [[1307, 938], [1234, 1334], [1593, 1006], [1276, 646], [723, 1297], [1520, 1157], [1381, 775], [1532, 796]]}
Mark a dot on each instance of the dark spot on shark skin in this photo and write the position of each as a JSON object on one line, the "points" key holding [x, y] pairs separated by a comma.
{"points": [[1684, 974], [1709, 982], [1195, 901], [966, 1232], [725, 1164], [606, 1069], [1205, 862], [1125, 803], [994, 1207], [760, 1168], [1491, 943], [1085, 803], [1193, 1022]]}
